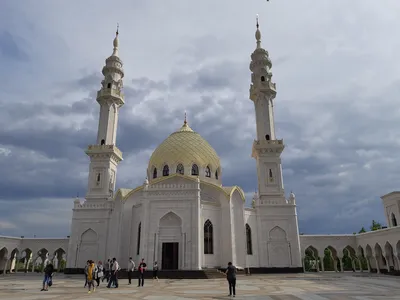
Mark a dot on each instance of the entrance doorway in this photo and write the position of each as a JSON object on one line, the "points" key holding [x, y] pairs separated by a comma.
{"points": [[170, 255]]}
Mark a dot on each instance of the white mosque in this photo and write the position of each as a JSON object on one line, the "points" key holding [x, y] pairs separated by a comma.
{"points": [[184, 218]]}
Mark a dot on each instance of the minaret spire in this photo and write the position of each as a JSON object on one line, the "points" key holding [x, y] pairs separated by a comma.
{"points": [[258, 34], [116, 42], [185, 121]]}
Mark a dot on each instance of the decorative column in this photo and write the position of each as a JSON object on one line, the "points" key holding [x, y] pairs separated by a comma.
{"points": [[378, 267], [368, 265], [33, 264], [396, 261], [388, 260], [353, 265], [360, 264], [5, 265], [341, 264]]}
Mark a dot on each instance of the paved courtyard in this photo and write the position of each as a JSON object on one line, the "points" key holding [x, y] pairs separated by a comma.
{"points": [[331, 286]]}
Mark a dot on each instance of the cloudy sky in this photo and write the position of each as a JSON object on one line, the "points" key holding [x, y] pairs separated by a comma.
{"points": [[335, 64]]}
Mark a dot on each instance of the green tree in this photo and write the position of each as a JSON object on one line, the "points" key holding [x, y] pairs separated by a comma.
{"points": [[362, 230], [375, 226]]}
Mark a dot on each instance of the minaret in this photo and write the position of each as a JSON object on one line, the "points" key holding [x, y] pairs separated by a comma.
{"points": [[266, 148], [277, 225], [105, 156]]}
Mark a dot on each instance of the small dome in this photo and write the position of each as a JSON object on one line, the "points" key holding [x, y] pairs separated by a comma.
{"points": [[180, 151]]}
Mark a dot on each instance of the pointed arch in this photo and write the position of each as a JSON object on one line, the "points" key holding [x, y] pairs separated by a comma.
{"points": [[216, 174], [195, 170], [277, 234], [165, 171], [89, 235], [138, 238], [180, 169], [208, 171], [170, 219], [3, 252], [208, 237], [393, 220], [249, 240], [154, 173]]}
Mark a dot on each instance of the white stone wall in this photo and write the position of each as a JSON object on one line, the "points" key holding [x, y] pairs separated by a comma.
{"points": [[89, 233], [251, 219], [13, 249], [381, 248], [283, 248], [212, 211], [174, 198], [391, 205]]}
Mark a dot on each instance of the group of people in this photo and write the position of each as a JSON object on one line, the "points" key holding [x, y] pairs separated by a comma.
{"points": [[96, 272]]}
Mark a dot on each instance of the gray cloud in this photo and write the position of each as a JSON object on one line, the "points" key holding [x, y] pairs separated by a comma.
{"points": [[336, 106]]}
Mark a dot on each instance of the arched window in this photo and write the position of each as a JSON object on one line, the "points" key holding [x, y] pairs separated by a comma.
{"points": [[165, 171], [262, 78], [109, 85], [267, 137], [248, 240], [208, 171], [394, 221], [98, 177], [180, 169], [195, 170], [155, 173], [270, 173], [216, 174], [103, 142], [138, 238], [208, 238]]}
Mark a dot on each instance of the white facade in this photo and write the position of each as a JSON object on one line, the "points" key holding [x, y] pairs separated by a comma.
{"points": [[183, 217]]}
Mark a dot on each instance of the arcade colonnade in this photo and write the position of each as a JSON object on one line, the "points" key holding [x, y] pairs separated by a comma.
{"points": [[30, 255], [376, 251]]}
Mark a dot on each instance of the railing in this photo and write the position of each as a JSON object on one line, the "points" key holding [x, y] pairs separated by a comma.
{"points": [[269, 142], [114, 148], [172, 186], [110, 92]]}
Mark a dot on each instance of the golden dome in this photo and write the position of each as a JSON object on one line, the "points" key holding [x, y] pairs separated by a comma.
{"points": [[185, 147]]}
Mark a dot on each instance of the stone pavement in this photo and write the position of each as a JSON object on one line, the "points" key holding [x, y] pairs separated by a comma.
{"points": [[328, 286]]}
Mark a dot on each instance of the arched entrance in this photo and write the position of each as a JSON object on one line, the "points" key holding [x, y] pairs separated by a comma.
{"points": [[170, 241]]}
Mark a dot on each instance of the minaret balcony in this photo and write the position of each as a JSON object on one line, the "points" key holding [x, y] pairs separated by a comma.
{"points": [[267, 147], [104, 150], [115, 95]]}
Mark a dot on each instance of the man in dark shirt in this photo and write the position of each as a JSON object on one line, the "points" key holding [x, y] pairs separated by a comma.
{"points": [[231, 276], [48, 273], [141, 269]]}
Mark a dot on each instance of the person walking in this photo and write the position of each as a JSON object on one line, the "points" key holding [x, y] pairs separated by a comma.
{"points": [[85, 271], [131, 268], [155, 270], [231, 277], [114, 274], [100, 272], [48, 273], [142, 269], [107, 271], [91, 275]]}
